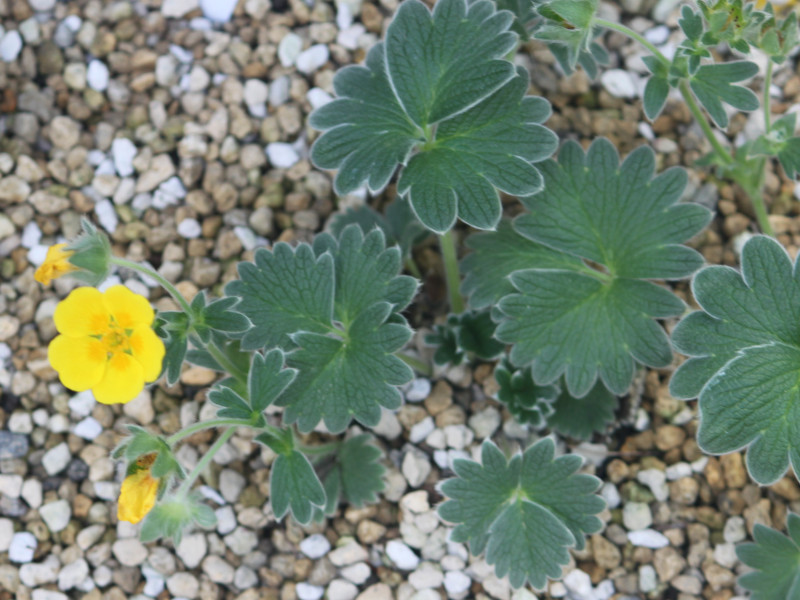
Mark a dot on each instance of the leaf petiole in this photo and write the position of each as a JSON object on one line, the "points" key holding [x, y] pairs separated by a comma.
{"points": [[452, 276]]}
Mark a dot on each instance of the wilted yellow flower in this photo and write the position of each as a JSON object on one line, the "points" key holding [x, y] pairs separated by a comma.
{"points": [[107, 343], [138, 492], [55, 264]]}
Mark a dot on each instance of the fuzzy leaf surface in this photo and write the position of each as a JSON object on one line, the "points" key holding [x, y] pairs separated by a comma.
{"points": [[293, 485], [525, 512], [584, 322], [492, 145], [497, 254], [580, 418], [713, 85], [744, 365], [267, 379], [776, 560], [356, 474]]}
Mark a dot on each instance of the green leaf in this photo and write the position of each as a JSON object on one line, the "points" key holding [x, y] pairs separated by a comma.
{"points": [[284, 291], [497, 254], [744, 365], [399, 226], [267, 379], [232, 405], [367, 134], [711, 85], [776, 560], [343, 379], [657, 88], [172, 327], [174, 516], [527, 402], [581, 417], [218, 315], [492, 145], [366, 272], [294, 485], [445, 340], [691, 23], [567, 30], [525, 512], [469, 332], [442, 63], [356, 473], [523, 12], [582, 321]]}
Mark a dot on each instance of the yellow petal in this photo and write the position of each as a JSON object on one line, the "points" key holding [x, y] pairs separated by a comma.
{"points": [[130, 310], [55, 264], [137, 496], [82, 313], [148, 350], [80, 362], [121, 382]]}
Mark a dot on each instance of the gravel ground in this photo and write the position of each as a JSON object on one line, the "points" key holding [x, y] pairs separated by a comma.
{"points": [[182, 132]]}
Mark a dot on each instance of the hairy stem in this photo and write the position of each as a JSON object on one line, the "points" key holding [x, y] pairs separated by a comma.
{"points": [[767, 107], [452, 276], [153, 274], [203, 462], [619, 27], [719, 149], [226, 363], [202, 425]]}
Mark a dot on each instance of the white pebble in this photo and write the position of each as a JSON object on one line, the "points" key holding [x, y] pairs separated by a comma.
{"points": [[97, 75], [610, 494], [678, 471], [579, 583], [315, 546], [618, 83], [56, 515], [123, 152], [288, 49], [22, 547], [10, 46], [648, 538], [456, 583], [340, 589], [402, 556], [318, 97], [306, 591], [56, 459], [418, 389], [656, 480], [82, 404], [219, 11], [279, 91], [348, 36], [31, 235], [282, 155], [106, 215], [421, 430], [312, 59], [189, 229]]}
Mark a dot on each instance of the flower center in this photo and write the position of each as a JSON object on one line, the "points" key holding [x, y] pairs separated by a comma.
{"points": [[116, 339]]}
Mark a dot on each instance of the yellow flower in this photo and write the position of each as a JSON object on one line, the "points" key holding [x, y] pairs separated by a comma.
{"points": [[55, 264], [138, 492], [107, 343]]}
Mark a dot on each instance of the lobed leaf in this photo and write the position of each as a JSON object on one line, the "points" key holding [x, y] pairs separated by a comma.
{"points": [[267, 379], [711, 85], [293, 485], [586, 322], [776, 560], [525, 512], [744, 365], [581, 417]]}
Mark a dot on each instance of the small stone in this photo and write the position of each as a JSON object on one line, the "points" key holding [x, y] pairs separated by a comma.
{"points": [[10, 46], [36, 574], [6, 534], [56, 459], [14, 189], [312, 59], [192, 549], [56, 515], [177, 9], [189, 229], [687, 584], [648, 580], [183, 584], [357, 573], [89, 536], [648, 538], [231, 484], [73, 574], [734, 530], [130, 552], [348, 554], [421, 430], [416, 467], [218, 570], [315, 546], [579, 584], [32, 492], [219, 11], [485, 423], [427, 576], [636, 515], [22, 547], [417, 390], [456, 583], [289, 48], [241, 541], [402, 556], [656, 480], [306, 591], [64, 132], [340, 589], [97, 75], [282, 155], [42, 5], [619, 83]]}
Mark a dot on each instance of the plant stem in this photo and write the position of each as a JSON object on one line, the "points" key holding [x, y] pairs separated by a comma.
{"points": [[202, 425], [759, 206], [416, 364], [767, 107], [448, 245], [171, 289], [721, 151], [226, 363], [203, 463], [633, 35]]}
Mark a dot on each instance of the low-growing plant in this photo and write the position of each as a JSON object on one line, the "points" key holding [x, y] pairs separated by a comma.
{"points": [[569, 295]]}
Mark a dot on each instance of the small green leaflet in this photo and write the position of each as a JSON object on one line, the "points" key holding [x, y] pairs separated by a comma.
{"points": [[172, 327], [471, 332], [780, 142], [497, 254], [657, 88], [525, 512], [527, 402], [580, 418], [438, 98], [294, 485], [711, 85], [776, 560], [744, 365], [567, 29], [587, 322], [172, 517]]}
